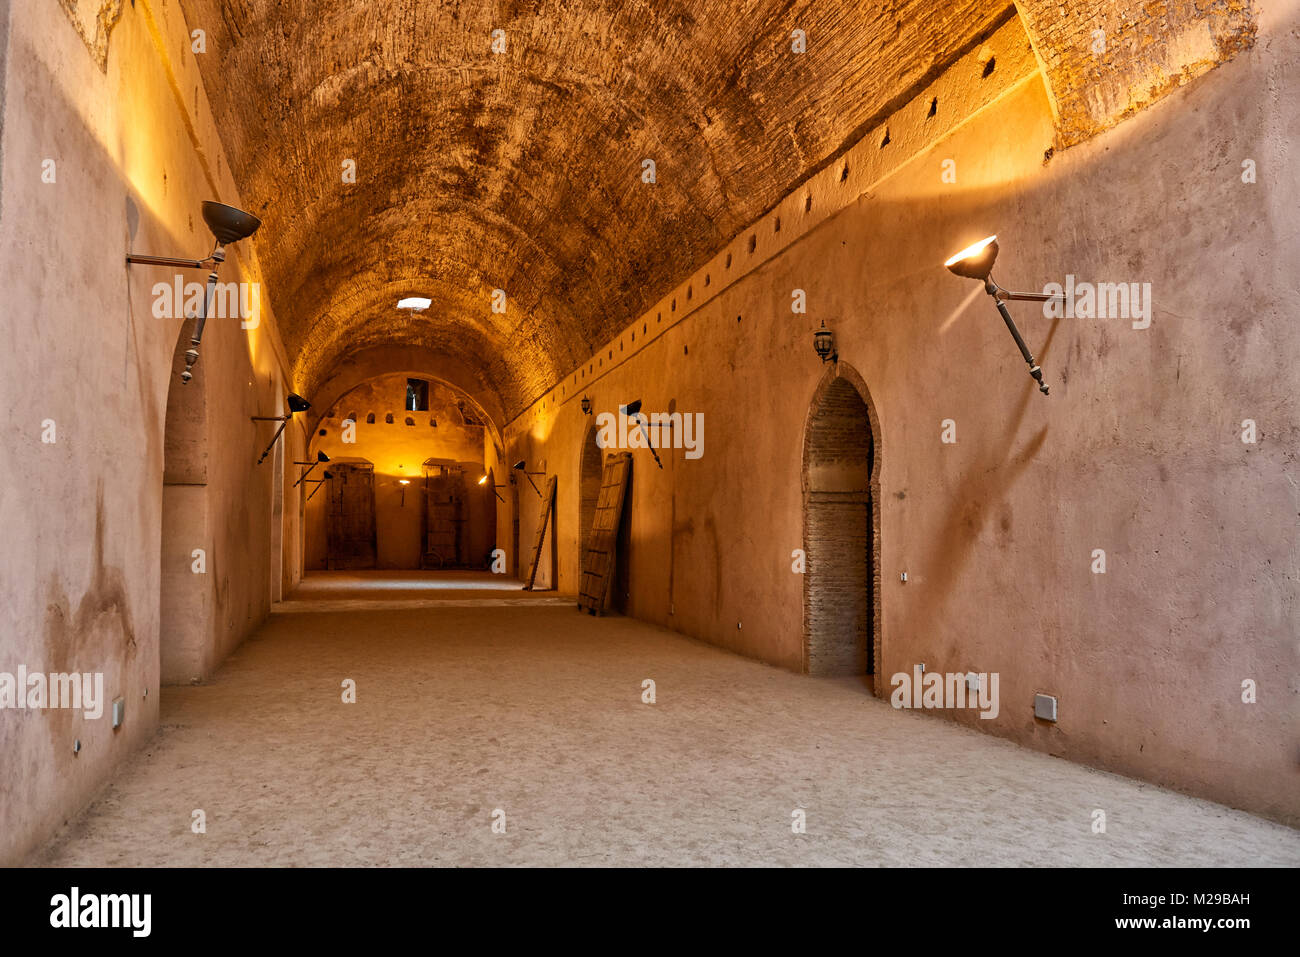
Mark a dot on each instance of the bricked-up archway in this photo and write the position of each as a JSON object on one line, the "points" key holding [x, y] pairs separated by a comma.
{"points": [[841, 507]]}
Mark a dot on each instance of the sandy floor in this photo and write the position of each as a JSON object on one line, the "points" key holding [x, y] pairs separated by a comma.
{"points": [[510, 701]]}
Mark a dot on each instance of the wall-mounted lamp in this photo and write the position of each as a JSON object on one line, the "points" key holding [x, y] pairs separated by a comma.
{"points": [[483, 481], [586, 406], [633, 411], [824, 344], [296, 404], [976, 262], [520, 467], [228, 225], [321, 457]]}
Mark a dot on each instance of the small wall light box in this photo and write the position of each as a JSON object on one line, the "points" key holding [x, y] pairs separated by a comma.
{"points": [[321, 458], [296, 404], [520, 466], [228, 225], [633, 411], [483, 481], [824, 344], [976, 262]]}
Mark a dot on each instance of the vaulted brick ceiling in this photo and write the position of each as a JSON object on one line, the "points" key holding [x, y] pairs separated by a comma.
{"points": [[522, 170]]}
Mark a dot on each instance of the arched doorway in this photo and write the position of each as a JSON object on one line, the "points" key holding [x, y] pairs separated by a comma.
{"points": [[184, 599], [589, 475], [841, 507]]}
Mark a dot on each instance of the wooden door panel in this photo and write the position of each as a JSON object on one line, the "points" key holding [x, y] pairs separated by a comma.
{"points": [[351, 520]]}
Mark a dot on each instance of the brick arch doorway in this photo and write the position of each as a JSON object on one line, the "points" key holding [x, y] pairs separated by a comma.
{"points": [[841, 528]]}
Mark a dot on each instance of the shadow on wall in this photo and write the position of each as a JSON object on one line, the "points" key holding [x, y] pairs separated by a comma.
{"points": [[984, 484]]}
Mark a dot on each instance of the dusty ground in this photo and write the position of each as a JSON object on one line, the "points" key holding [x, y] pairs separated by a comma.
{"points": [[489, 699]]}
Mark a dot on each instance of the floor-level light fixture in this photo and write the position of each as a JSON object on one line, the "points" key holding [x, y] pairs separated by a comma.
{"points": [[976, 262], [633, 411], [228, 225], [483, 481], [296, 404], [403, 483], [321, 458], [824, 344], [521, 467]]}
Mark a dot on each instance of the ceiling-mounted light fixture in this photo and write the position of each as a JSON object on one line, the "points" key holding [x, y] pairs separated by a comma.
{"points": [[228, 225], [521, 467], [414, 303], [824, 344], [296, 404], [321, 457], [586, 406], [632, 410], [976, 262]]}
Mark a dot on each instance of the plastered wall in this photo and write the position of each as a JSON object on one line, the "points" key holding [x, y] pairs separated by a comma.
{"points": [[1137, 452], [99, 161]]}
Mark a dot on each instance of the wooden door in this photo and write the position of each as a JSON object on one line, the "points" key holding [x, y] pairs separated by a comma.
{"points": [[351, 521], [444, 511], [598, 560]]}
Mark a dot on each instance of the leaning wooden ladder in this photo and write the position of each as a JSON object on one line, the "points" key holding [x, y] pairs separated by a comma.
{"points": [[598, 558], [548, 506]]}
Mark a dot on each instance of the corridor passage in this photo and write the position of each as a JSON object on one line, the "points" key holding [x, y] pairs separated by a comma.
{"points": [[473, 696]]}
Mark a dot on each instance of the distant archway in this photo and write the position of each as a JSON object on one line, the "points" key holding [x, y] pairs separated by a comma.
{"points": [[841, 508]]}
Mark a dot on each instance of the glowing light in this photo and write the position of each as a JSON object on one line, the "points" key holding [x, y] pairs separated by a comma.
{"points": [[970, 251], [403, 481], [483, 480], [417, 303]]}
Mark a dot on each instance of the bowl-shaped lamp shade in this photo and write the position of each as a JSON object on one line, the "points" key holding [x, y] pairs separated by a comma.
{"points": [[228, 224], [975, 262], [322, 457], [632, 408], [297, 403], [518, 465]]}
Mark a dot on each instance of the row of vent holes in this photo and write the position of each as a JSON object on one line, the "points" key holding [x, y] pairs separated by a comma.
{"points": [[388, 419], [989, 67], [844, 177]]}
